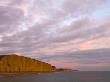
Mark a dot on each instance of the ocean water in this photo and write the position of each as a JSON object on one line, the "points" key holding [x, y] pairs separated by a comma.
{"points": [[70, 76]]}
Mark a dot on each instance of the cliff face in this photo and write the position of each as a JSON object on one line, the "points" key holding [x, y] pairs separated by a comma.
{"points": [[14, 63]]}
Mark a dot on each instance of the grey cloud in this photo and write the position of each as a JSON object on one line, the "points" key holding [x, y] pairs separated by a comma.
{"points": [[46, 27], [13, 2], [81, 6], [9, 19], [94, 56], [36, 38], [82, 29]]}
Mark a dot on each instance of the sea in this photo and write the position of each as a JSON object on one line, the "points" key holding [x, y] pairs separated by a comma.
{"points": [[68, 76]]}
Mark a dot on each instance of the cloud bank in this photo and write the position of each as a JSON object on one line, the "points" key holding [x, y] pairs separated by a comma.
{"points": [[42, 28]]}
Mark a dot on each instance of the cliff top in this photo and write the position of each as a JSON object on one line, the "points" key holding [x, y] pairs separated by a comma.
{"points": [[18, 56]]}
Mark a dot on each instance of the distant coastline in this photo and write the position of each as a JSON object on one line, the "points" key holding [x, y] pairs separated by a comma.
{"points": [[14, 65]]}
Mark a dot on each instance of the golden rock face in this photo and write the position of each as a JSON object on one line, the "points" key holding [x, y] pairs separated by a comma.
{"points": [[14, 63]]}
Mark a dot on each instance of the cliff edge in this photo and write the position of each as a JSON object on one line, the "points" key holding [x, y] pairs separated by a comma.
{"points": [[18, 64]]}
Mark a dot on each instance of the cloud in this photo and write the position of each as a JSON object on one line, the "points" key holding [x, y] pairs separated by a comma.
{"points": [[80, 6], [37, 37], [41, 28], [9, 18], [85, 46], [84, 59]]}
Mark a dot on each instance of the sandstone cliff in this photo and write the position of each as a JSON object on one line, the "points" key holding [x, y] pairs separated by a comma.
{"points": [[15, 63]]}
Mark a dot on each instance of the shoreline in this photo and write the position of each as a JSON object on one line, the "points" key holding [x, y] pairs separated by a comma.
{"points": [[24, 73]]}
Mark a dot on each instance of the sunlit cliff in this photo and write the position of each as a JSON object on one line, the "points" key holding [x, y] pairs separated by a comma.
{"points": [[15, 63]]}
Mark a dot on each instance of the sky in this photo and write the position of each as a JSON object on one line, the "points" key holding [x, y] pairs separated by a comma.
{"points": [[66, 33]]}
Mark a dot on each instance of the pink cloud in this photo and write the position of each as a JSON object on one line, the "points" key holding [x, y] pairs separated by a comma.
{"points": [[85, 45], [74, 65]]}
